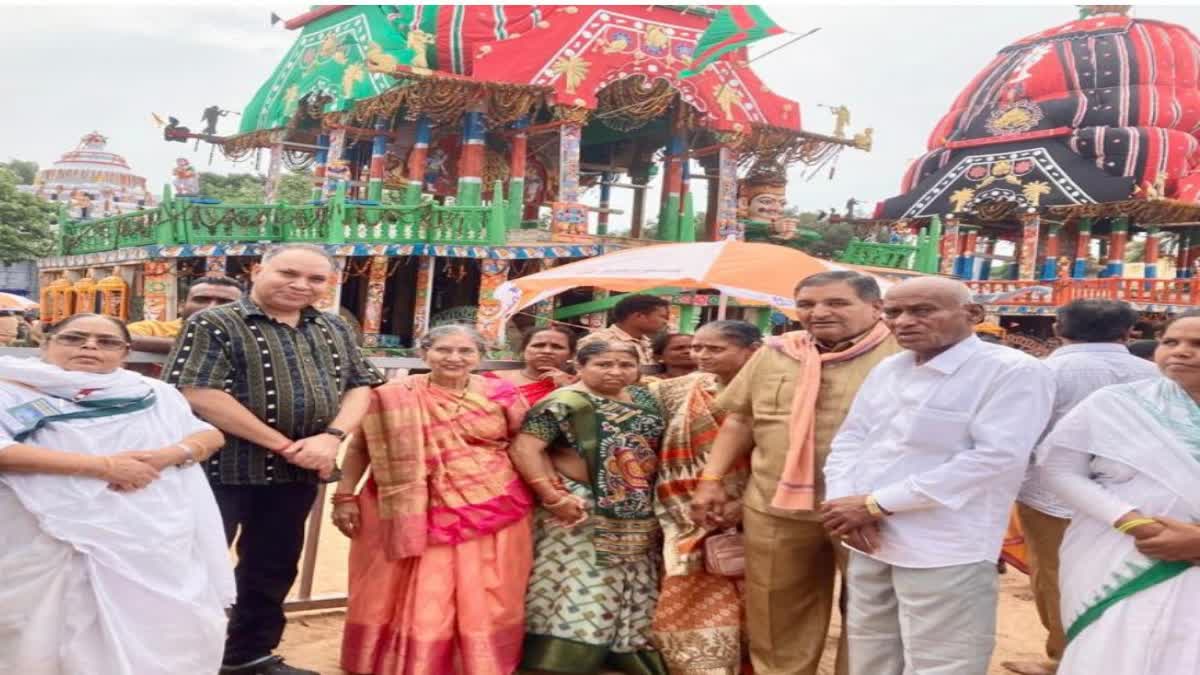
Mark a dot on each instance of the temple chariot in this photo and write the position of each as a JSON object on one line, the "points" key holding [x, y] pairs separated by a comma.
{"points": [[451, 148]]}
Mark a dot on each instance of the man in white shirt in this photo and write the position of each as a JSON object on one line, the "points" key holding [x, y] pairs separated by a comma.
{"points": [[921, 479], [1093, 355]]}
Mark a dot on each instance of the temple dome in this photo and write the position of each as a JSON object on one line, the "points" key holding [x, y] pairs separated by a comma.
{"points": [[90, 170]]}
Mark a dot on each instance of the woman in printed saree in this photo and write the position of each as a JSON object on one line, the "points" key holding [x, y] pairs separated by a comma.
{"points": [[698, 623], [1127, 460], [112, 554], [590, 452], [441, 544], [545, 353]]}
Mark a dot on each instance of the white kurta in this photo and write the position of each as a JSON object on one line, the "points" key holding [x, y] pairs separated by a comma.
{"points": [[944, 445], [1127, 446], [96, 582]]}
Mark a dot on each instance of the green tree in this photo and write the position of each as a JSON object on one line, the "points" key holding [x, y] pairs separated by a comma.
{"points": [[234, 188], [295, 187], [24, 222], [835, 237], [25, 171]]}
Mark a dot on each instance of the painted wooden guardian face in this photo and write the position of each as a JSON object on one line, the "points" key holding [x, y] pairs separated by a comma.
{"points": [[768, 204], [763, 201]]}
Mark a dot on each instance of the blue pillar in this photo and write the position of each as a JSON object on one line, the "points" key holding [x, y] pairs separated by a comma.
{"points": [[1050, 264], [970, 241], [319, 164], [606, 178]]}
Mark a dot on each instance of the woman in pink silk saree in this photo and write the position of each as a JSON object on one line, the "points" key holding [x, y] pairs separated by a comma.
{"points": [[441, 543]]}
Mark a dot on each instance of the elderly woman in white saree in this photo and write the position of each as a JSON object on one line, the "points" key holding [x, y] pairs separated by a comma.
{"points": [[1127, 460], [112, 554]]}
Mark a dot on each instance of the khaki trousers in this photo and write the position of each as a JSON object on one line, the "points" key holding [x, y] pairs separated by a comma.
{"points": [[790, 573], [1043, 537]]}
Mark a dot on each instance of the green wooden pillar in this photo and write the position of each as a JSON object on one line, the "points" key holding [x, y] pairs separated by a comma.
{"points": [[518, 148], [497, 217], [337, 216], [934, 261], [687, 224], [673, 177], [164, 230]]}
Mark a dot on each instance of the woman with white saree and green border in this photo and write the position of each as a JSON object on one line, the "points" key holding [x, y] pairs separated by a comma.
{"points": [[112, 554], [1127, 460]]}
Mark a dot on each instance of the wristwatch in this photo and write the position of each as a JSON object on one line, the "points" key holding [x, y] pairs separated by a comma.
{"points": [[336, 433]]}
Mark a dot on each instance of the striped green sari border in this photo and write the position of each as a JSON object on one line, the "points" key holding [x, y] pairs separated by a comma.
{"points": [[1151, 576]]}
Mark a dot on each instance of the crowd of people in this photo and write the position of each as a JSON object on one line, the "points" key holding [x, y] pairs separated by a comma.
{"points": [[578, 515]]}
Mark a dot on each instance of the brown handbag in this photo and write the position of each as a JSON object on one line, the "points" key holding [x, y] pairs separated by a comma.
{"points": [[725, 554]]}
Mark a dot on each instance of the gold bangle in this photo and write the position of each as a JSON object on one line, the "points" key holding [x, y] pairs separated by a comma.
{"points": [[709, 477], [1128, 525], [874, 508]]}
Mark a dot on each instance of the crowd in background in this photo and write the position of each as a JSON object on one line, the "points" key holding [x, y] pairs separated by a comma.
{"points": [[577, 515]]}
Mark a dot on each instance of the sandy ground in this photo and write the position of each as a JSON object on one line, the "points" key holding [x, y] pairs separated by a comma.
{"points": [[313, 640]]}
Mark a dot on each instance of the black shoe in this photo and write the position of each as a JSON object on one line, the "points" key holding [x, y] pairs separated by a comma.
{"points": [[271, 666]]}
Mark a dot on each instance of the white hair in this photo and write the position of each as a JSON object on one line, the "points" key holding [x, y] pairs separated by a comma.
{"points": [[431, 337]]}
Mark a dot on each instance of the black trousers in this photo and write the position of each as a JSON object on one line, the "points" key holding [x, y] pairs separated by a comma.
{"points": [[271, 520]]}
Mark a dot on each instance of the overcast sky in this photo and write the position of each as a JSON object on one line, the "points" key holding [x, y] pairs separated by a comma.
{"points": [[69, 70]]}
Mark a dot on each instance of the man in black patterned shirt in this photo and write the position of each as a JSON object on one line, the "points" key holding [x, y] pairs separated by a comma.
{"points": [[286, 383]]}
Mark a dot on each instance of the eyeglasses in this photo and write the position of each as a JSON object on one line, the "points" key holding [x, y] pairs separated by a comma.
{"points": [[106, 343]]}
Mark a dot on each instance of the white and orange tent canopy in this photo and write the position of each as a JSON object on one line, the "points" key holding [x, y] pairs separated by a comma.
{"points": [[12, 301], [761, 273]]}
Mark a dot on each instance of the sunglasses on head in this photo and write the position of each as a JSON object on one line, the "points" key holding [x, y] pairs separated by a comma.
{"points": [[108, 343]]}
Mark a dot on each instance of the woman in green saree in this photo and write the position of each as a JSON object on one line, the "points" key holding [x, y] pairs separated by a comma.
{"points": [[590, 453]]}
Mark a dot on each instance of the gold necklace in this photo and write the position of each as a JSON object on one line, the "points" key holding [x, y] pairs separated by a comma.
{"points": [[459, 394]]}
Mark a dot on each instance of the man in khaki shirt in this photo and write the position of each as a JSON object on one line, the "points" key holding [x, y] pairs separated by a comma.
{"points": [[790, 561], [635, 319]]}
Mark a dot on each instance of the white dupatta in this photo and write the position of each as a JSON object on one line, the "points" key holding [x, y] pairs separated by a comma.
{"points": [[1150, 433], [101, 581]]}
